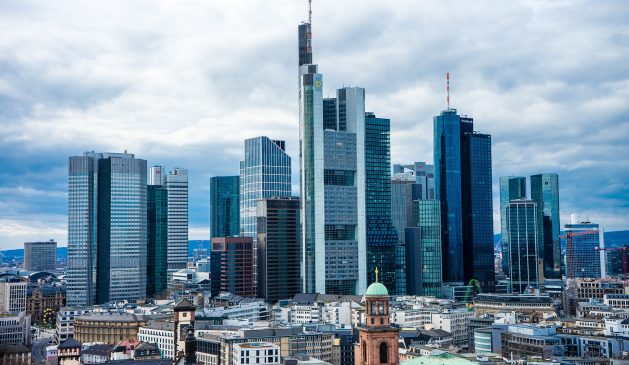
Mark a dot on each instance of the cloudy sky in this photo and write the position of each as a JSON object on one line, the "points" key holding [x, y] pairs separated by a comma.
{"points": [[183, 83]]}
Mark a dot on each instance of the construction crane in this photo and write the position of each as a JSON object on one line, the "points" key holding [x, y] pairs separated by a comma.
{"points": [[570, 249], [623, 255], [472, 283]]}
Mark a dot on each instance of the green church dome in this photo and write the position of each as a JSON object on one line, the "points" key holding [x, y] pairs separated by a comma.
{"points": [[377, 290]]}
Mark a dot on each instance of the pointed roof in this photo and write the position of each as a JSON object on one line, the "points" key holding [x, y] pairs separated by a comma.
{"points": [[69, 343], [184, 305]]}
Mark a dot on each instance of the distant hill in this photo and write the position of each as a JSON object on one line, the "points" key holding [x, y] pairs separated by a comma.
{"points": [[612, 239]]}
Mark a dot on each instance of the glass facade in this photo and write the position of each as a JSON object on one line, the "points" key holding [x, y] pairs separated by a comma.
{"points": [[264, 173], [224, 206], [523, 261], [463, 186], [382, 237], [107, 228], [545, 192], [424, 175], [157, 246], [423, 246], [511, 188], [583, 260], [279, 249], [177, 186]]}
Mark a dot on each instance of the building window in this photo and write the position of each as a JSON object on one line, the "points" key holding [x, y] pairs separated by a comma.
{"points": [[384, 353]]}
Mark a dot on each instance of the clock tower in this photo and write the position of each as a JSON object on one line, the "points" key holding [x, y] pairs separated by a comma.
{"points": [[183, 319], [377, 340]]}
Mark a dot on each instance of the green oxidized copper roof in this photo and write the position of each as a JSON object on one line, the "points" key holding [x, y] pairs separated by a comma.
{"points": [[377, 290]]}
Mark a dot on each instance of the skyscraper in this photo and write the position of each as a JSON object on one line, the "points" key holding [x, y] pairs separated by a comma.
{"points": [[40, 256], [232, 266], [583, 260], [545, 192], [279, 248], [525, 264], [332, 162], [423, 249], [177, 186], [511, 188], [224, 206], [157, 246], [383, 248], [463, 185], [424, 175], [107, 233]]}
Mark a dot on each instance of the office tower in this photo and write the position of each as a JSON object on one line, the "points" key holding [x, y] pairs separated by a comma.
{"points": [[525, 264], [107, 228], [231, 261], [511, 188], [463, 185], [157, 246], [383, 249], [424, 175], [332, 166], [545, 192], [157, 175], [404, 191], [264, 173], [177, 186], [224, 206], [583, 259], [423, 249], [40, 256], [279, 248], [200, 254]]}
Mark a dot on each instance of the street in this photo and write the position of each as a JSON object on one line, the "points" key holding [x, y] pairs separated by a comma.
{"points": [[39, 351]]}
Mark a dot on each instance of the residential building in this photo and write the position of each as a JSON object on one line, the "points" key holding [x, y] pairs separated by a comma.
{"points": [[107, 233], [279, 248], [12, 294], [224, 206], [463, 185], [378, 341], [384, 251], [545, 192], [15, 328], [69, 352], [332, 160], [263, 353], [511, 188], [40, 256], [65, 322], [15, 353], [40, 299], [177, 187], [157, 245], [232, 266], [109, 328], [583, 258], [525, 265]]}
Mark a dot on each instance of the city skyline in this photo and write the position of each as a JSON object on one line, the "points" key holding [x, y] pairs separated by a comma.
{"points": [[98, 91]]}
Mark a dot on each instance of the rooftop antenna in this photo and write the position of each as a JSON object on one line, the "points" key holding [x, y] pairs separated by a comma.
{"points": [[309, 35], [448, 89]]}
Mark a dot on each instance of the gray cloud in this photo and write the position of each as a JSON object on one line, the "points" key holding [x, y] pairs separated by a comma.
{"points": [[184, 84]]}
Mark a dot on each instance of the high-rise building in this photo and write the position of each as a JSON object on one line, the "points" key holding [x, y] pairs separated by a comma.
{"points": [[525, 264], [423, 249], [583, 259], [383, 248], [40, 256], [107, 228], [279, 248], [232, 266], [511, 188], [177, 186], [157, 175], [12, 294], [264, 173], [545, 192], [463, 184], [332, 165], [424, 175], [157, 246], [224, 206]]}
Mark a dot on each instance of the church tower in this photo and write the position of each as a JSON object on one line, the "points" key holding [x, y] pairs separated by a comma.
{"points": [[183, 318], [377, 340]]}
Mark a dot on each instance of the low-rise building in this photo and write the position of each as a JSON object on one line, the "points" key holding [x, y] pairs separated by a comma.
{"points": [[95, 354], [538, 306], [616, 300], [12, 294], [15, 354], [263, 353], [42, 298], [528, 340], [109, 328], [15, 328], [454, 321], [65, 322]]}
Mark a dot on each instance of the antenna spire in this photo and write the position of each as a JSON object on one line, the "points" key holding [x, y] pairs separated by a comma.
{"points": [[448, 89], [310, 12]]}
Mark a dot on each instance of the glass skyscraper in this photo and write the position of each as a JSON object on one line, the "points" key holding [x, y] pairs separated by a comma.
{"points": [[524, 261], [157, 246], [583, 260], [107, 228], [177, 186], [332, 167], [463, 185], [224, 206], [424, 175], [545, 192], [511, 188], [383, 248], [423, 249]]}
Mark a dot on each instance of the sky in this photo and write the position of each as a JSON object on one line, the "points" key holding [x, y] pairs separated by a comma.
{"points": [[183, 83]]}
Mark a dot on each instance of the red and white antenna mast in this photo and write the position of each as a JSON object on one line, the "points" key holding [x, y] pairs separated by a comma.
{"points": [[448, 89], [310, 12]]}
